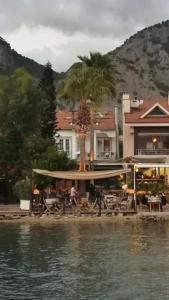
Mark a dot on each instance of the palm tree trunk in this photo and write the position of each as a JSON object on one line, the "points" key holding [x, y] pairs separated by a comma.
{"points": [[82, 164]]}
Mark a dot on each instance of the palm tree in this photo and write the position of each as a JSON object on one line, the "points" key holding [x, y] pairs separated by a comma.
{"points": [[102, 73], [94, 77]]}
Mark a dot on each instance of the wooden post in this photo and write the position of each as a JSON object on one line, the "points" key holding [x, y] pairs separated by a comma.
{"points": [[31, 199]]}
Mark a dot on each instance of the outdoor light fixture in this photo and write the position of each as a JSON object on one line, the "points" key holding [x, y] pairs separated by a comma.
{"points": [[154, 140]]}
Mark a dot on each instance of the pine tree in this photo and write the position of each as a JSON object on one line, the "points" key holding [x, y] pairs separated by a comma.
{"points": [[48, 122]]}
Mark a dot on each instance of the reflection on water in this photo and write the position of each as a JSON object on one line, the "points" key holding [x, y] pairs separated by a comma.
{"points": [[84, 261]]}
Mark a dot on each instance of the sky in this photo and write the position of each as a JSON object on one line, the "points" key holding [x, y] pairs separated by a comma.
{"points": [[60, 30]]}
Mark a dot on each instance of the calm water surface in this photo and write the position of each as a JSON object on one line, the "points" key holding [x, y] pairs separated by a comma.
{"points": [[84, 261]]}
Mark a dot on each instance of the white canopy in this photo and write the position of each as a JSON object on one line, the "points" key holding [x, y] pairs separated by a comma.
{"points": [[76, 175]]}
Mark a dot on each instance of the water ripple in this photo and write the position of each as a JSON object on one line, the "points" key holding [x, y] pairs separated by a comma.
{"points": [[84, 261]]}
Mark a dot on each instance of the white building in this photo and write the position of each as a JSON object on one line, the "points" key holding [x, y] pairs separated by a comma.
{"points": [[104, 137]]}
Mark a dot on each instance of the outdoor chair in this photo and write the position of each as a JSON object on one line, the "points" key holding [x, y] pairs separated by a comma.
{"points": [[38, 205], [126, 204], [52, 206], [84, 206], [111, 202]]}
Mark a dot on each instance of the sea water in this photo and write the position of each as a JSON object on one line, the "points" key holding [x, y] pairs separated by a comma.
{"points": [[101, 261]]}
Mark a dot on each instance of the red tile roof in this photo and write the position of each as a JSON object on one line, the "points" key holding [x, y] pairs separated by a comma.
{"points": [[135, 115], [105, 122]]}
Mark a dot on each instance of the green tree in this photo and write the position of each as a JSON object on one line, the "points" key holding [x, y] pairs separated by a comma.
{"points": [[48, 121], [22, 146], [52, 160], [20, 114]]}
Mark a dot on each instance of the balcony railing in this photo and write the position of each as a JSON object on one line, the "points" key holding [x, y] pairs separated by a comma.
{"points": [[104, 155], [152, 151]]}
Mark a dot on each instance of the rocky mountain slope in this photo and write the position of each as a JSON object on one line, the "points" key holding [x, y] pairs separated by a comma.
{"points": [[11, 60], [143, 63]]}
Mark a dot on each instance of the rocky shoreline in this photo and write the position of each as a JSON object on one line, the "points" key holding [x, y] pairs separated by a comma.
{"points": [[154, 217]]}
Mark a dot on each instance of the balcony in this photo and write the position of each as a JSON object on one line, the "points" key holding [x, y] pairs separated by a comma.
{"points": [[100, 155], [104, 155], [161, 152]]}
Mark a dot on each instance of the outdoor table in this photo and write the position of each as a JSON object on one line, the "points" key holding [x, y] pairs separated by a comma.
{"points": [[153, 201], [50, 201]]}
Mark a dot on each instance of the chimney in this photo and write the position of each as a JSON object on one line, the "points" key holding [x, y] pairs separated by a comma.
{"points": [[126, 102]]}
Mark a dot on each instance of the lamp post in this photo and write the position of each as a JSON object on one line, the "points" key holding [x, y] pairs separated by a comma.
{"points": [[116, 130], [134, 188], [89, 101]]}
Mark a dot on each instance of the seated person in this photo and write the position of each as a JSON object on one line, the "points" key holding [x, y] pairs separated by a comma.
{"points": [[144, 200]]}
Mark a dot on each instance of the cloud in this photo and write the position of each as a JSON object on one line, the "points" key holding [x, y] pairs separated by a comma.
{"points": [[92, 17], [63, 56], [43, 44], [59, 30]]}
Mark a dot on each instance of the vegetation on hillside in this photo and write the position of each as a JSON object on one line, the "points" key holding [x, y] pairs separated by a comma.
{"points": [[11, 60]]}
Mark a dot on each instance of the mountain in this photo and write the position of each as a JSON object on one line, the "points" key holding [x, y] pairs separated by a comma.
{"points": [[143, 63], [11, 60]]}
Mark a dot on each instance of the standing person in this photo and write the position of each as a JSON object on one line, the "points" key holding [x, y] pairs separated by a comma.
{"points": [[92, 193], [73, 195], [163, 200]]}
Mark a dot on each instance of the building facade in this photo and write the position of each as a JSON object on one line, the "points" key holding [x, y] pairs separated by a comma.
{"points": [[145, 128], [104, 137], [146, 136]]}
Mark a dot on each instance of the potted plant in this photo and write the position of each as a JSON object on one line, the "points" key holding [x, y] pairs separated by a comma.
{"points": [[23, 190]]}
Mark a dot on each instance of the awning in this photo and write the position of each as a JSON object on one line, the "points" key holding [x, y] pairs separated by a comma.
{"points": [[155, 159], [75, 175], [102, 135], [147, 165]]}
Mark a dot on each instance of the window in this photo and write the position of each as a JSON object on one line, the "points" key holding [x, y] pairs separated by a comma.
{"points": [[61, 145], [65, 144], [157, 112]]}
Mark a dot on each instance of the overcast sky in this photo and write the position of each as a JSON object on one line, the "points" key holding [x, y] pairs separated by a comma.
{"points": [[59, 30]]}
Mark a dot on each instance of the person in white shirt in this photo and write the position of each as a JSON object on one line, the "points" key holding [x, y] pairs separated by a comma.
{"points": [[73, 195]]}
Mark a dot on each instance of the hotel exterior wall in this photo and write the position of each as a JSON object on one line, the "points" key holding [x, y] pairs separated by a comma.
{"points": [[72, 135], [128, 141], [75, 145]]}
